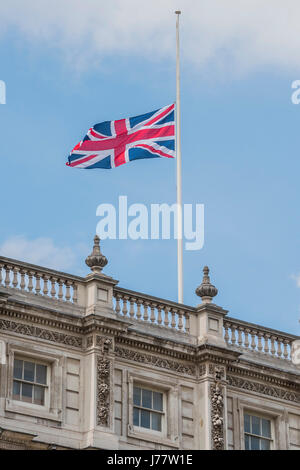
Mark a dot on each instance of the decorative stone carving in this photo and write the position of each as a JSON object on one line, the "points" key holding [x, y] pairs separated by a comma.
{"points": [[206, 290], [257, 387], [216, 371], [96, 260], [155, 361], [217, 411], [103, 383], [42, 333], [104, 343]]}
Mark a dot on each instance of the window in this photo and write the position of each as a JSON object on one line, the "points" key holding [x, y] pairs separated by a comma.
{"points": [[29, 381], [257, 432], [147, 408]]}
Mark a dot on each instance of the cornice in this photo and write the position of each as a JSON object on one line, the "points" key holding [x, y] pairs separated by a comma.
{"points": [[269, 375]]}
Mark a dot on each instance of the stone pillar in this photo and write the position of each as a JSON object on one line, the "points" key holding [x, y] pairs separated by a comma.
{"points": [[99, 287], [98, 406], [207, 323]]}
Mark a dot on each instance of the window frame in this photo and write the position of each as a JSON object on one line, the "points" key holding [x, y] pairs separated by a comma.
{"points": [[169, 435], [152, 410], [52, 408], [46, 386], [260, 416], [259, 407]]}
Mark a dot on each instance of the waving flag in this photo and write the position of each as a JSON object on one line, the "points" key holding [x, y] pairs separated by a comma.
{"points": [[113, 143]]}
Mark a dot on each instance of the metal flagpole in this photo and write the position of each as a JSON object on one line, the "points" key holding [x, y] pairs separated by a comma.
{"points": [[178, 168]]}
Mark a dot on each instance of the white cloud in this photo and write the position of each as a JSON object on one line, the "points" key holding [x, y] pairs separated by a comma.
{"points": [[296, 278], [232, 35], [42, 251]]}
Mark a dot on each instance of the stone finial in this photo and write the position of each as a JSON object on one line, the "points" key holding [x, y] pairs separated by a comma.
{"points": [[96, 260], [206, 290]]}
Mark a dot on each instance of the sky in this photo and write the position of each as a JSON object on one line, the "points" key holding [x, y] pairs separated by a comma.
{"points": [[70, 64]]}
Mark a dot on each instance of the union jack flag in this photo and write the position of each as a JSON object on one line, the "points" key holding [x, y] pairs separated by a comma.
{"points": [[112, 143]]}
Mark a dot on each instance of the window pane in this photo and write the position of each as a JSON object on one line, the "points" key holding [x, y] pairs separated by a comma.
{"points": [[29, 371], [41, 374], [147, 398], [247, 442], [18, 366], [264, 444], [255, 443], [266, 427], [157, 401], [16, 390], [145, 419], [136, 417], [156, 421], [136, 396], [247, 423], [27, 392], [38, 395], [256, 425]]}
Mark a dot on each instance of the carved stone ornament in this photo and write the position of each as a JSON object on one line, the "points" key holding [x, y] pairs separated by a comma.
{"points": [[96, 260], [206, 290], [217, 412], [104, 343], [156, 361], [103, 390]]}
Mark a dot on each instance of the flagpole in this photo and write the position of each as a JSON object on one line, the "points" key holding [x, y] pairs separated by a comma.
{"points": [[178, 170]]}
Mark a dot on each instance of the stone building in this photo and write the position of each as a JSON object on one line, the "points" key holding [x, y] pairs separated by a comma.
{"points": [[86, 364]]}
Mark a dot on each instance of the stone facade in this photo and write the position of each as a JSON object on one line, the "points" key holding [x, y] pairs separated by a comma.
{"points": [[99, 343]]}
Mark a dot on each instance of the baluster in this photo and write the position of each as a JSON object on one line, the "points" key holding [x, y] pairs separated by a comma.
{"points": [[75, 293], [45, 279], [125, 310], [253, 343], [273, 345], [166, 319], [53, 287], [22, 282], [266, 348], [15, 278], [173, 320], [152, 316], [180, 322], [279, 350], [138, 312], [187, 322], [233, 338], [146, 316], [68, 290], [246, 342], [37, 283], [30, 283], [131, 310], [7, 275], [285, 349], [226, 335], [259, 343], [60, 289], [159, 317], [240, 336], [118, 307]]}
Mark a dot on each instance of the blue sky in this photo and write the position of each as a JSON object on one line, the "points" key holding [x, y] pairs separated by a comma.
{"points": [[240, 154]]}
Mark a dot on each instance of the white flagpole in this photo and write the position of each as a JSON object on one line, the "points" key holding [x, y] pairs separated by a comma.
{"points": [[178, 168]]}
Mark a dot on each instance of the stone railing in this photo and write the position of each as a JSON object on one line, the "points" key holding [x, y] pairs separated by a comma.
{"points": [[252, 337], [40, 281], [152, 310]]}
